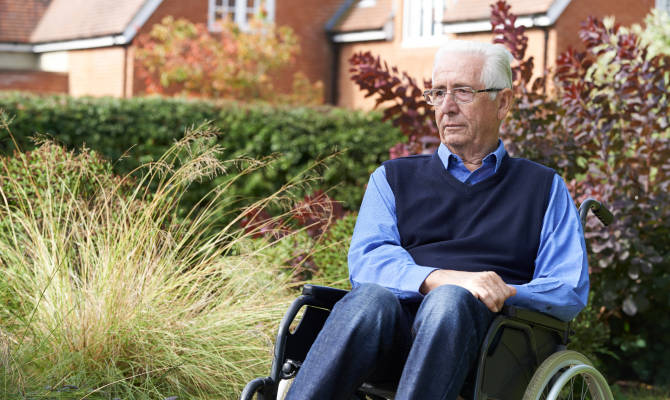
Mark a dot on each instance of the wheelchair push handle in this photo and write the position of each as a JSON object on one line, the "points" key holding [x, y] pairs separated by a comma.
{"points": [[599, 210]]}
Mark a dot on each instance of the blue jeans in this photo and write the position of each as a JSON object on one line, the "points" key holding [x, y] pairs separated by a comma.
{"points": [[370, 336]]}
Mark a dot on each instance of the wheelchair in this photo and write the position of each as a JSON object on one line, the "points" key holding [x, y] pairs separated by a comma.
{"points": [[524, 355]]}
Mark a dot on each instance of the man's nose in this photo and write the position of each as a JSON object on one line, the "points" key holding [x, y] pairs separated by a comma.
{"points": [[449, 106]]}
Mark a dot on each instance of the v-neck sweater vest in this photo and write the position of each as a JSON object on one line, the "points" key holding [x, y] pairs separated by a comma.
{"points": [[493, 225]]}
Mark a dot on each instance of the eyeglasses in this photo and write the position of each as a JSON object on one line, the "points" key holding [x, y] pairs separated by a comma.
{"points": [[461, 95]]}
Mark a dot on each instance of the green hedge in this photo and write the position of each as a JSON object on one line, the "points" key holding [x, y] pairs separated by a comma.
{"points": [[111, 126]]}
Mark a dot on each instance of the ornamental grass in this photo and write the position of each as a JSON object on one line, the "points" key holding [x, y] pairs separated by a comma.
{"points": [[109, 290]]}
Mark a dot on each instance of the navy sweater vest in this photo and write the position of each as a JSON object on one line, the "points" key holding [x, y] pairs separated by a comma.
{"points": [[494, 225]]}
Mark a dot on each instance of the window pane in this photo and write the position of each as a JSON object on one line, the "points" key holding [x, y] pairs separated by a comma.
{"points": [[415, 18], [427, 18]]}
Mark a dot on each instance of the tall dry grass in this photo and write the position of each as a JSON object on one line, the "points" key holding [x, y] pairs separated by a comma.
{"points": [[116, 294]]}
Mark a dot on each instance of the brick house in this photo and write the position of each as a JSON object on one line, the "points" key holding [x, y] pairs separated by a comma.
{"points": [[84, 47], [407, 33]]}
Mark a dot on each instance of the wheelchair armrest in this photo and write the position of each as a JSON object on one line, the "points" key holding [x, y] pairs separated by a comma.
{"points": [[534, 317], [324, 293]]}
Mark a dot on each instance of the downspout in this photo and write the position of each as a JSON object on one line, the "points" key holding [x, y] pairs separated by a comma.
{"points": [[334, 70], [125, 70], [544, 67]]}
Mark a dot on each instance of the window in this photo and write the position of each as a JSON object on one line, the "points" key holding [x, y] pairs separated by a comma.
{"points": [[663, 5], [422, 22], [366, 3], [239, 11]]}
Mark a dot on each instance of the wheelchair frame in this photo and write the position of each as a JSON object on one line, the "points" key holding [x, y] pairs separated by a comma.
{"points": [[517, 336]]}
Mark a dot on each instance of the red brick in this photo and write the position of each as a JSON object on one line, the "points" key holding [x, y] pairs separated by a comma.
{"points": [[626, 12], [34, 81], [98, 72]]}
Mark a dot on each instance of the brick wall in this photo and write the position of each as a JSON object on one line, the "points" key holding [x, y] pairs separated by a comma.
{"points": [[417, 62], [627, 12], [308, 19], [34, 81], [98, 72]]}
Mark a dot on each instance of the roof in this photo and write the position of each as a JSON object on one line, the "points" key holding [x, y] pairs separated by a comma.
{"points": [[473, 10], [80, 19], [18, 18], [365, 15]]}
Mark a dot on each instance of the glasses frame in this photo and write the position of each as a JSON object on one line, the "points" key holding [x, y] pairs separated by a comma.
{"points": [[450, 92]]}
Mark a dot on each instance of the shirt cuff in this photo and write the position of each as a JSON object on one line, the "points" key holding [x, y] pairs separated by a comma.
{"points": [[522, 297], [412, 281]]}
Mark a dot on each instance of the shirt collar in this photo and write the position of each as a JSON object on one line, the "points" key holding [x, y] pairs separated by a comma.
{"points": [[445, 155]]}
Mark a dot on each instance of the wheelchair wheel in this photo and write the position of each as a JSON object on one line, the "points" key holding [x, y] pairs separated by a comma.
{"points": [[284, 386], [567, 375]]}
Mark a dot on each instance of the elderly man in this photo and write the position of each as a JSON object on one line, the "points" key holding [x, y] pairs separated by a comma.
{"points": [[443, 241]]}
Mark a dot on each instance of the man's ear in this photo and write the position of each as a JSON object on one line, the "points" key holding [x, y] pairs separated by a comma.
{"points": [[505, 98]]}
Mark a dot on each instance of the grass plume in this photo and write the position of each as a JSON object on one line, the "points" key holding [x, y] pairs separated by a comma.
{"points": [[106, 288]]}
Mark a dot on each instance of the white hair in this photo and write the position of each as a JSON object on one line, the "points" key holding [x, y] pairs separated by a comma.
{"points": [[496, 72]]}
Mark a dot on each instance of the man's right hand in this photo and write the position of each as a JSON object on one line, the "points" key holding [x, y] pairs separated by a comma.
{"points": [[488, 287]]}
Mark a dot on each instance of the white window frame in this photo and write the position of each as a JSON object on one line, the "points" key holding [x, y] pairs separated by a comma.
{"points": [[239, 10], [366, 3], [422, 23]]}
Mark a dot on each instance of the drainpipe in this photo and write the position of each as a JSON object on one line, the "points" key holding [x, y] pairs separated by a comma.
{"points": [[544, 66], [334, 71], [125, 70]]}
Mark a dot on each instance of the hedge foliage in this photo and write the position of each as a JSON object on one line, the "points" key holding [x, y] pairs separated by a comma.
{"points": [[149, 125]]}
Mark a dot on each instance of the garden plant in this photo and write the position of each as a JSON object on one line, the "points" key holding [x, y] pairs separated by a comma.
{"points": [[183, 57]]}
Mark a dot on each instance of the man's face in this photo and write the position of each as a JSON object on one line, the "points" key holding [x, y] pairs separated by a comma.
{"points": [[475, 123]]}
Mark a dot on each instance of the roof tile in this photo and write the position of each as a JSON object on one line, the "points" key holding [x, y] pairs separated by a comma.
{"points": [[472, 10], [18, 18], [365, 18], [79, 19]]}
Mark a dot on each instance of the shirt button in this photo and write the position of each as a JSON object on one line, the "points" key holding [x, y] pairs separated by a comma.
{"points": [[468, 183], [454, 159]]}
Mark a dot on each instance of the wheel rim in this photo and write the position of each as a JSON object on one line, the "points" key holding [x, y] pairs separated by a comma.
{"points": [[581, 382]]}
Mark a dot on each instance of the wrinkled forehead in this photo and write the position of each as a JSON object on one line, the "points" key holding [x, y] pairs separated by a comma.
{"points": [[454, 70]]}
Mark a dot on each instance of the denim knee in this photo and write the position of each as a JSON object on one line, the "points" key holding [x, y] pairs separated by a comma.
{"points": [[369, 303], [450, 301]]}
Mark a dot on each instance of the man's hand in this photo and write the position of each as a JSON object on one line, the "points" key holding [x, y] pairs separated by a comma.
{"points": [[488, 287]]}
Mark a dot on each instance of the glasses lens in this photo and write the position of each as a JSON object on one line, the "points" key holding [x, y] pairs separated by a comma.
{"points": [[438, 97], [463, 95]]}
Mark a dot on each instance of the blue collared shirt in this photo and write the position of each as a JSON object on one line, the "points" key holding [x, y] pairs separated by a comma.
{"points": [[560, 284]]}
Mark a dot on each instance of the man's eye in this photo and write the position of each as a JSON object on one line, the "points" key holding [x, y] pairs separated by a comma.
{"points": [[460, 91], [439, 93]]}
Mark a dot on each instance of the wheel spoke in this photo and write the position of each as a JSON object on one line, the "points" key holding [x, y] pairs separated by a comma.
{"points": [[583, 391]]}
